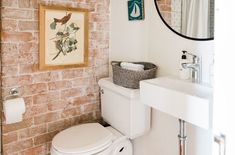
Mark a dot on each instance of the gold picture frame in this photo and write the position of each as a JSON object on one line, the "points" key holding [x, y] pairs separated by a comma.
{"points": [[63, 36]]}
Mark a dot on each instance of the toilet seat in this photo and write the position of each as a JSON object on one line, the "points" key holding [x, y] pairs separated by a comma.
{"points": [[82, 139]]}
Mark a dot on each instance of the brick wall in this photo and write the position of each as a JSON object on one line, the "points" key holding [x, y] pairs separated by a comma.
{"points": [[165, 9], [54, 99], [176, 13]]}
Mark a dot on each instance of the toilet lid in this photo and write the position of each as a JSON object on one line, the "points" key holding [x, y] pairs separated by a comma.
{"points": [[83, 138]]}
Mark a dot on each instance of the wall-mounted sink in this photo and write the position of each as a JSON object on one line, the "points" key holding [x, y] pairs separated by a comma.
{"points": [[184, 100]]}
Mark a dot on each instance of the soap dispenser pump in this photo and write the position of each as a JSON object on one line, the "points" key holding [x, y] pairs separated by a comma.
{"points": [[184, 73]]}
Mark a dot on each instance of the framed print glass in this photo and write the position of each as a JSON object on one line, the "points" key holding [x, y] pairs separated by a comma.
{"points": [[63, 37]]}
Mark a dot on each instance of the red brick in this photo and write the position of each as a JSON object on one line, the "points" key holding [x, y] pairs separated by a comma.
{"points": [[9, 70], [36, 37], [24, 3], [33, 89], [168, 2], [9, 137], [28, 68], [71, 93], [17, 126], [46, 77], [101, 8], [10, 59], [96, 35], [49, 117], [16, 13], [102, 26], [28, 25], [18, 146], [73, 73], [38, 150], [9, 3], [84, 81], [25, 80], [59, 125], [35, 110], [88, 117], [83, 100], [67, 113], [16, 58], [32, 132], [35, 15], [44, 138], [56, 105], [9, 49], [9, 25], [96, 17], [28, 3], [16, 80], [58, 85], [90, 107], [26, 58], [28, 101], [46, 97], [16, 36], [28, 48]]}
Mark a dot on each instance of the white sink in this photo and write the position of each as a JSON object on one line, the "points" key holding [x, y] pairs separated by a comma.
{"points": [[184, 100]]}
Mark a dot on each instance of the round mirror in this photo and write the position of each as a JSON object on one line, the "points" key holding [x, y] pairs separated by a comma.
{"points": [[192, 19]]}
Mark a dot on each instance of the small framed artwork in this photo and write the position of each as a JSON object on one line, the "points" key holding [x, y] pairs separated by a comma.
{"points": [[135, 9], [63, 37]]}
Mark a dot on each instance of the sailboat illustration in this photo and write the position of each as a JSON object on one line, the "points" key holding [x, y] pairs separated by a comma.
{"points": [[135, 11]]}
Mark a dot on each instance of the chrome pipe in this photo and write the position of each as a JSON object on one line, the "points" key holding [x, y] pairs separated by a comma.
{"points": [[221, 141], [182, 137]]}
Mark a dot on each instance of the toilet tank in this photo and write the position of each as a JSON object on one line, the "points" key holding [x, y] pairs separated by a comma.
{"points": [[122, 109]]}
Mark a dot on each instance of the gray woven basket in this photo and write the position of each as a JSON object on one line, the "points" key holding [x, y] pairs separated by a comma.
{"points": [[129, 78]]}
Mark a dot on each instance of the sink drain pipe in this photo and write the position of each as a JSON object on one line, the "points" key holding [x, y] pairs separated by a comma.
{"points": [[182, 137]]}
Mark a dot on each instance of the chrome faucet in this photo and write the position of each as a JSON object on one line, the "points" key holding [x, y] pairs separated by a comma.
{"points": [[195, 65]]}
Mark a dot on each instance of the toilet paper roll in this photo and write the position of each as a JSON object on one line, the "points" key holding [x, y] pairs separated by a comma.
{"points": [[14, 110]]}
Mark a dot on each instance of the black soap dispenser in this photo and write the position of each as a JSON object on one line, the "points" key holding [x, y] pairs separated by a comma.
{"points": [[184, 73]]}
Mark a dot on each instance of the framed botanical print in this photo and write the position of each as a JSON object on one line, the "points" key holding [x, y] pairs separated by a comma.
{"points": [[63, 37]]}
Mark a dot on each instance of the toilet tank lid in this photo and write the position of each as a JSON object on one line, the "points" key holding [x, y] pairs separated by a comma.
{"points": [[89, 137], [127, 92]]}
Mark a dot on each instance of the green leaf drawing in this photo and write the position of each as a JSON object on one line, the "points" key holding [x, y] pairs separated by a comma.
{"points": [[65, 39], [53, 25], [72, 25], [76, 28], [59, 33]]}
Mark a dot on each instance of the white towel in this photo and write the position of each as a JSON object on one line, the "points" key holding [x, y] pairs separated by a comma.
{"points": [[132, 66]]}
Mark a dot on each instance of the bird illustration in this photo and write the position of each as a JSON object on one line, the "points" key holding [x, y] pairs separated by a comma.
{"points": [[63, 20]]}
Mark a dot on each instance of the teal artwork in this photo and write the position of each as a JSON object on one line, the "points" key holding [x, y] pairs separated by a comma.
{"points": [[135, 9]]}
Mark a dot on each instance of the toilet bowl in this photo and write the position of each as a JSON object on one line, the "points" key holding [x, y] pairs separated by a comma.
{"points": [[122, 109]]}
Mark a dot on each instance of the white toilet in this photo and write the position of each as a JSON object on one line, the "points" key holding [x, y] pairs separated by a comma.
{"points": [[121, 108]]}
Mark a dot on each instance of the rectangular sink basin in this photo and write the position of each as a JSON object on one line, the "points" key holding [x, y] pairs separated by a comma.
{"points": [[184, 100]]}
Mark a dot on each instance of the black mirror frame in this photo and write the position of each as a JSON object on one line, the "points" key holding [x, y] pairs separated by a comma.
{"points": [[195, 39]]}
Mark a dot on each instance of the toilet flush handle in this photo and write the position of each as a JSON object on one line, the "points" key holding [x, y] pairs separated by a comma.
{"points": [[101, 91]]}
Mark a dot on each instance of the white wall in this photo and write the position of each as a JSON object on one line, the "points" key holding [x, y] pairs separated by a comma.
{"points": [[127, 41], [150, 40], [224, 75]]}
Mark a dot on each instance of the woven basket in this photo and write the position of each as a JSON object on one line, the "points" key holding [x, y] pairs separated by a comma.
{"points": [[129, 78]]}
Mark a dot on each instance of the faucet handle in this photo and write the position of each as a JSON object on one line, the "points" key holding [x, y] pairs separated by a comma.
{"points": [[196, 58], [193, 55]]}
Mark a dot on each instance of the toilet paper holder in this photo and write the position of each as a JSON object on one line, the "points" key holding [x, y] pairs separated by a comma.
{"points": [[13, 93]]}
